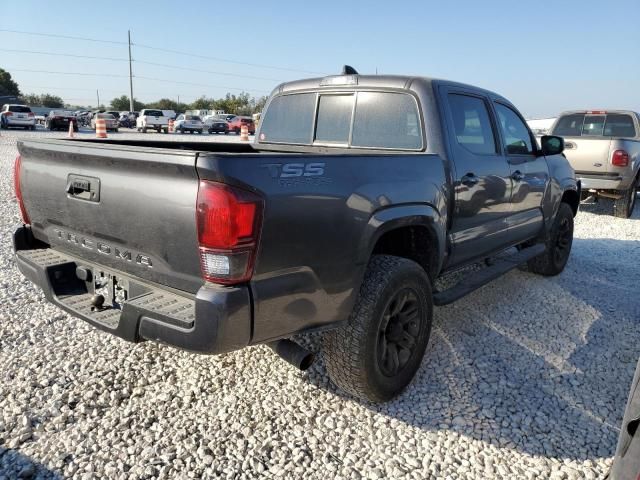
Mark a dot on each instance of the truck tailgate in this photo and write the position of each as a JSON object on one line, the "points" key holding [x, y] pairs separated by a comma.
{"points": [[588, 154], [132, 210]]}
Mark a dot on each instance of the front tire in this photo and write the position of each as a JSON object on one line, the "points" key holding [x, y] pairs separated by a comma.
{"points": [[623, 207], [378, 352], [558, 245]]}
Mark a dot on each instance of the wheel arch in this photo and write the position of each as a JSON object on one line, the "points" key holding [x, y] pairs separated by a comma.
{"points": [[416, 232]]}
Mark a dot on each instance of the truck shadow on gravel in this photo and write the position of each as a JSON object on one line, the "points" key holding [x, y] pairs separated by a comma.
{"points": [[604, 206], [14, 464], [540, 365]]}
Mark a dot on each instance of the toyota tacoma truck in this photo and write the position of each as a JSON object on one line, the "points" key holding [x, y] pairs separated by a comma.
{"points": [[359, 195], [603, 146]]}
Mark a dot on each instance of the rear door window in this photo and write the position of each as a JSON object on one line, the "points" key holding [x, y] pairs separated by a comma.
{"points": [[472, 124], [334, 118], [386, 120]]}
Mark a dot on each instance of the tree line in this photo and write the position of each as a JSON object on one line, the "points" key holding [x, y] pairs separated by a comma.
{"points": [[241, 104]]}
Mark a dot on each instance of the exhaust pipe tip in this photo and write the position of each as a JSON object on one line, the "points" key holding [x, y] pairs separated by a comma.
{"points": [[292, 353]]}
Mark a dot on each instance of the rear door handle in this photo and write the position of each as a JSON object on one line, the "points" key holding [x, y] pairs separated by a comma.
{"points": [[518, 176], [469, 179]]}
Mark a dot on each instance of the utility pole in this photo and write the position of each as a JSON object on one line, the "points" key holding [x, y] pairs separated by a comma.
{"points": [[98, 95], [130, 76]]}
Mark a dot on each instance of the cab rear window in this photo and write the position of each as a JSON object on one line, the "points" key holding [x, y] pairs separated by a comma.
{"points": [[364, 119], [153, 113]]}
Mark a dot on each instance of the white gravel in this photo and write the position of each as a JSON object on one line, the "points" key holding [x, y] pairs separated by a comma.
{"points": [[526, 378]]}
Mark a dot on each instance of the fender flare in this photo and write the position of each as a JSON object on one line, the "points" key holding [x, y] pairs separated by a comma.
{"points": [[399, 216]]}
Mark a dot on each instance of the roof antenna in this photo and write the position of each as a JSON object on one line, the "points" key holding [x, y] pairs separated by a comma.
{"points": [[349, 70]]}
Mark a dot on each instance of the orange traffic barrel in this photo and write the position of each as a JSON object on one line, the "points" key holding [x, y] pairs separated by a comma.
{"points": [[101, 128], [171, 122], [244, 133]]}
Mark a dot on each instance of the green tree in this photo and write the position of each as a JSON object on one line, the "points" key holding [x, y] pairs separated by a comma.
{"points": [[202, 103], [7, 85], [31, 99], [51, 101], [121, 104]]}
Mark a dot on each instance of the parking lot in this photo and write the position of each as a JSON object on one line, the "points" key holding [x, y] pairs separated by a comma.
{"points": [[525, 378]]}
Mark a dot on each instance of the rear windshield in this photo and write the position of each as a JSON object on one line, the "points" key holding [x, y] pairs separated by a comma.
{"points": [[19, 109], [595, 125], [352, 119], [246, 120], [106, 116], [193, 117], [154, 113]]}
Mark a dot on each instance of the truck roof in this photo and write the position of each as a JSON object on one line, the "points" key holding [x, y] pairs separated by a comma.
{"points": [[405, 82]]}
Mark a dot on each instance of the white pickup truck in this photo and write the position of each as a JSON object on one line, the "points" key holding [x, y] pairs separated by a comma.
{"points": [[603, 148], [152, 119]]}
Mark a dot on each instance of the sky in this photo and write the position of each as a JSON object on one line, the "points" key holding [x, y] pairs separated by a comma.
{"points": [[544, 56]]}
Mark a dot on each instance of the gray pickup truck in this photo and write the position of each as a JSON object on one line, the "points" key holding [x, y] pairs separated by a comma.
{"points": [[359, 193], [603, 146]]}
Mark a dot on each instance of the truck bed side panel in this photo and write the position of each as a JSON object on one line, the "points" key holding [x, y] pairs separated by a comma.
{"points": [[309, 264]]}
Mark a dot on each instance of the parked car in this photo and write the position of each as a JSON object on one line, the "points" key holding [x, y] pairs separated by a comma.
{"points": [[152, 119], [235, 125], [17, 116], [339, 219], [60, 120], [188, 123], [214, 124], [110, 121], [604, 149]]}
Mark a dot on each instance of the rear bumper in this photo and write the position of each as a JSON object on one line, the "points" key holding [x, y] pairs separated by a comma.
{"points": [[603, 182], [216, 320], [14, 122]]}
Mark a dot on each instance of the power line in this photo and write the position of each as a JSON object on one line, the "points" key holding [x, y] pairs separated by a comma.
{"points": [[206, 71], [63, 54], [136, 76], [69, 37], [113, 42], [218, 59], [176, 67]]}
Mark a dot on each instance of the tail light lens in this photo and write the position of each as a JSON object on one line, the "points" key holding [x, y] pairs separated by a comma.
{"points": [[17, 173], [229, 222], [620, 158], [7, 114], [31, 114]]}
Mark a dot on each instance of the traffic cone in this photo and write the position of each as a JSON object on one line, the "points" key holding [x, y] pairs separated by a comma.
{"points": [[171, 123], [101, 128], [244, 133], [71, 132]]}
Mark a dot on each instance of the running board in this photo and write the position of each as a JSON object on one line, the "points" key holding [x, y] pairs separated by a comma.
{"points": [[477, 279]]}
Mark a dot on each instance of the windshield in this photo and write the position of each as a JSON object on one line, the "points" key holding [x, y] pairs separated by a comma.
{"points": [[193, 117], [153, 113]]}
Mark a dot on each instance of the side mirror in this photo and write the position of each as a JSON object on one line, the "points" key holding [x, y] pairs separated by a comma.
{"points": [[552, 145]]}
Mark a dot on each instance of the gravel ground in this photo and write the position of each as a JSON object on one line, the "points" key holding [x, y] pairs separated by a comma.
{"points": [[526, 378]]}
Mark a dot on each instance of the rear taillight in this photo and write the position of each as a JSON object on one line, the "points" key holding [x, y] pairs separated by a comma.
{"points": [[7, 114], [17, 173], [229, 222], [31, 114], [620, 158]]}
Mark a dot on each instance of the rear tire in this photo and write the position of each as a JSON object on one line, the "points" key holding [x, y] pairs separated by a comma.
{"points": [[144, 129], [558, 245], [623, 207], [378, 352]]}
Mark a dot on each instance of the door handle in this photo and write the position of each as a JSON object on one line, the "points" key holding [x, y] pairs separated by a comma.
{"points": [[469, 180], [518, 176]]}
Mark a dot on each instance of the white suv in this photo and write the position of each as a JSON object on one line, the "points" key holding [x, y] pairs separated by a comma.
{"points": [[17, 116]]}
